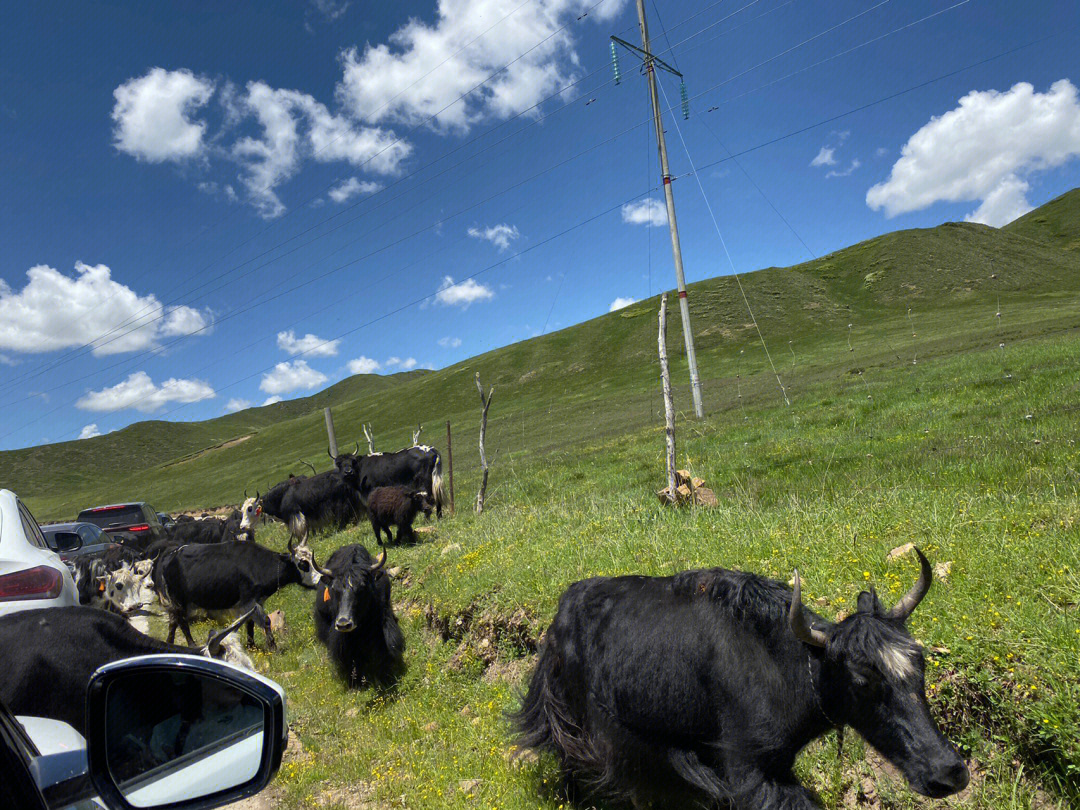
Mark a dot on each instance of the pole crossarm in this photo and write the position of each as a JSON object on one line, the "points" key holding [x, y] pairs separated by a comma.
{"points": [[646, 56]]}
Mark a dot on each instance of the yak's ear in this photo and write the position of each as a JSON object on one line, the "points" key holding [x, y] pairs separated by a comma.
{"points": [[869, 603]]}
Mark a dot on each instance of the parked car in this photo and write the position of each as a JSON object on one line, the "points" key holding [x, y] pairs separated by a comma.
{"points": [[32, 575], [181, 731], [133, 524], [74, 540]]}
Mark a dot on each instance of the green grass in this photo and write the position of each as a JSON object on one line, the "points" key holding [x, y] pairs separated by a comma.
{"points": [[830, 485], [930, 420]]}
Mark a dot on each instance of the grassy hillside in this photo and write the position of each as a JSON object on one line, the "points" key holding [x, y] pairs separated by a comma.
{"points": [[1057, 222], [597, 378], [932, 384]]}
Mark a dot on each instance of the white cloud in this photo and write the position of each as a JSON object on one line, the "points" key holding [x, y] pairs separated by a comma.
{"points": [[138, 391], [825, 157], [856, 163], [310, 345], [294, 126], [89, 431], [351, 187], [364, 365], [7, 361], [331, 9], [881, 151], [499, 235], [650, 212], [289, 376], [152, 115], [982, 150], [620, 302], [54, 311], [406, 364], [449, 342], [274, 400], [1006, 202], [462, 294], [426, 68], [234, 405]]}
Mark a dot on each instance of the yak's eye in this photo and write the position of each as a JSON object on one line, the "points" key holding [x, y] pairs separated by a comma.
{"points": [[303, 565]]}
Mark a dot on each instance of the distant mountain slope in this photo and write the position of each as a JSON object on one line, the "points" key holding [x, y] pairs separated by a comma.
{"points": [[909, 294], [1057, 222]]}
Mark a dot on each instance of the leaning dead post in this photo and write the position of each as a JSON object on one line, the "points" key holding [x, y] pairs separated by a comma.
{"points": [[330, 432], [370, 440], [416, 435], [450, 465], [485, 403], [669, 408]]}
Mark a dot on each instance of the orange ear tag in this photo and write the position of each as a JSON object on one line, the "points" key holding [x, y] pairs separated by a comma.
{"points": [[325, 594], [101, 587]]}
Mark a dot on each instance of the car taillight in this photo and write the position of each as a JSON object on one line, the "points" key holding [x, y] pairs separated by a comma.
{"points": [[42, 582], [142, 527]]}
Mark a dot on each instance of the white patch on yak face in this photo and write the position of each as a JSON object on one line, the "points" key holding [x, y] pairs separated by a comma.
{"points": [[127, 590], [898, 661], [250, 514], [425, 447]]}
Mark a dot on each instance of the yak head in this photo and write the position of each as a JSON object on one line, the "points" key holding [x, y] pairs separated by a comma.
{"points": [[348, 464], [872, 678], [250, 513], [127, 590], [351, 590], [423, 502], [304, 559]]}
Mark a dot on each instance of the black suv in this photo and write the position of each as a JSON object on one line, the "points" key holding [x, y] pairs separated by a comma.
{"points": [[134, 524]]}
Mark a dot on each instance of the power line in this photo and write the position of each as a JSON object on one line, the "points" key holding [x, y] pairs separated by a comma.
{"points": [[151, 321], [775, 140], [132, 319]]}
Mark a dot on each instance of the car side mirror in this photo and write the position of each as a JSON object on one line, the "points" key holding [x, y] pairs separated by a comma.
{"points": [[181, 731], [67, 541]]}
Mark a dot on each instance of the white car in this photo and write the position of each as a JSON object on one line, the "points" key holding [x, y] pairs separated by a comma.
{"points": [[31, 574]]}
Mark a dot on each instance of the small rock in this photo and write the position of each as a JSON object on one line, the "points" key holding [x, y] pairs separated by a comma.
{"points": [[821, 601], [394, 572], [476, 721], [277, 622], [432, 726], [469, 785], [352, 712], [484, 643], [899, 552], [704, 496], [450, 549], [941, 570], [466, 711]]}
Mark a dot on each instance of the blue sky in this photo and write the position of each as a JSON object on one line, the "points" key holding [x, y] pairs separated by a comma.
{"points": [[215, 193]]}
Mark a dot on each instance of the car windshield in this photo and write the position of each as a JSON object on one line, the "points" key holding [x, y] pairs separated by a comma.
{"points": [[109, 516]]}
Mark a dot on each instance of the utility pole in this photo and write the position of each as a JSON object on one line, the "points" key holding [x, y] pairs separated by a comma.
{"points": [[676, 249]]}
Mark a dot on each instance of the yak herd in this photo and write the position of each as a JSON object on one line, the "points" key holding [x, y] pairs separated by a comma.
{"points": [[694, 690]]}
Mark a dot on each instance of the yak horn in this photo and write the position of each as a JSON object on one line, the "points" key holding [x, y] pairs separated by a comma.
{"points": [[329, 453], [804, 632], [323, 572], [356, 452], [213, 644], [909, 601], [380, 561], [245, 493], [308, 463], [292, 544]]}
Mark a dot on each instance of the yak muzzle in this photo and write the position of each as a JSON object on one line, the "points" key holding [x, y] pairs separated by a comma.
{"points": [[947, 779], [344, 625]]}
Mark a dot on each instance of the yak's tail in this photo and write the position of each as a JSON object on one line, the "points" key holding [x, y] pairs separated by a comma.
{"points": [[298, 527], [438, 491], [546, 721]]}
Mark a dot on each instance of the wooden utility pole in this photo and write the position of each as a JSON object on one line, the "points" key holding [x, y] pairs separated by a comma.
{"points": [[450, 464], [330, 432], [669, 408], [650, 62]]}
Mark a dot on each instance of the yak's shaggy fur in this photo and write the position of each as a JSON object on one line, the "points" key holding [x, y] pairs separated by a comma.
{"points": [[397, 506]]}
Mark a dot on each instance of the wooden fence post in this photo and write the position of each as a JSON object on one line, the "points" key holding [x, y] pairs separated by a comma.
{"points": [[450, 464], [486, 403]]}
